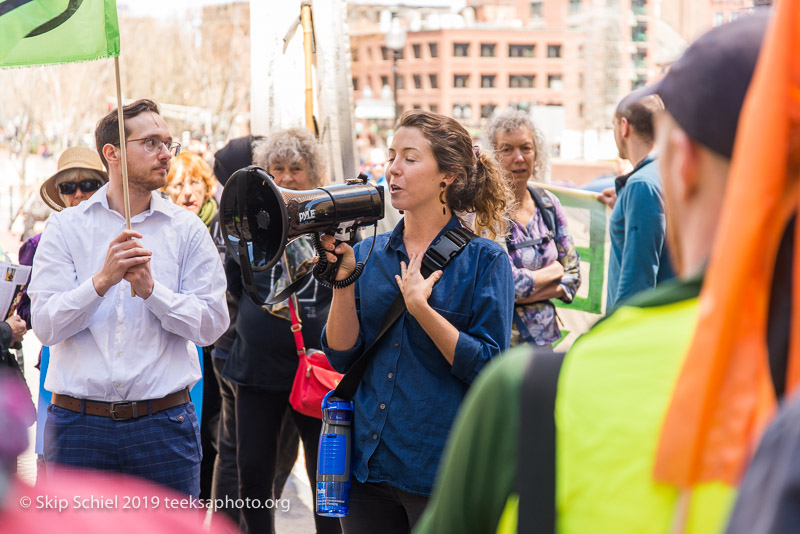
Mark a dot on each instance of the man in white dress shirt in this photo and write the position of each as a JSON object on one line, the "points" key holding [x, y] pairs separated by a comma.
{"points": [[121, 366]]}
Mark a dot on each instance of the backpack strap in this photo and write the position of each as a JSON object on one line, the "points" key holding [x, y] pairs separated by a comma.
{"points": [[536, 456], [547, 209], [438, 255]]}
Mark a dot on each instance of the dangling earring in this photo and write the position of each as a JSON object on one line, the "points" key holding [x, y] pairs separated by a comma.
{"points": [[441, 198]]}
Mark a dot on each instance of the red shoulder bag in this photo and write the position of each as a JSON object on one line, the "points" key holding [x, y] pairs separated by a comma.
{"points": [[314, 377]]}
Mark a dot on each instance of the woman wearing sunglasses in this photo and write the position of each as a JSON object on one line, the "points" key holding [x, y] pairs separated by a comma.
{"points": [[80, 173]]}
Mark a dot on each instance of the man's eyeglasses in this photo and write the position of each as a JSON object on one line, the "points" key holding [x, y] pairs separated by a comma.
{"points": [[87, 186], [153, 145]]}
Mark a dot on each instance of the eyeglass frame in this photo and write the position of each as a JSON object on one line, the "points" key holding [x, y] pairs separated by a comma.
{"points": [[174, 147], [79, 185], [178, 186]]}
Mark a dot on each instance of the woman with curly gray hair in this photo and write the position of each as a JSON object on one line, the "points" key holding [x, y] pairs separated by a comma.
{"points": [[263, 358], [293, 159], [544, 261]]}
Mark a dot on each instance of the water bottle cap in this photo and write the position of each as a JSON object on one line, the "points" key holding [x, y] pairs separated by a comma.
{"points": [[335, 403]]}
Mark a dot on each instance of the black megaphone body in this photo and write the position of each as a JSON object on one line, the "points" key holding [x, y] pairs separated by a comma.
{"points": [[259, 219]]}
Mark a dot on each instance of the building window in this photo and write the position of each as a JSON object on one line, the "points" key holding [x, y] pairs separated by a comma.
{"points": [[461, 80], [355, 84], [401, 81], [718, 19], [639, 81], [487, 110], [639, 7], [434, 108], [536, 9], [417, 106], [487, 50], [460, 49], [638, 58], [580, 80], [354, 54], [417, 81], [580, 110], [384, 80], [554, 81], [487, 81], [434, 49], [462, 111], [417, 51], [521, 80], [434, 79], [639, 32], [553, 50], [521, 50], [574, 7], [734, 15], [385, 53]]}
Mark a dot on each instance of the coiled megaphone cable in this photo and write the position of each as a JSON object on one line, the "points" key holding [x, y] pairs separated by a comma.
{"points": [[325, 271]]}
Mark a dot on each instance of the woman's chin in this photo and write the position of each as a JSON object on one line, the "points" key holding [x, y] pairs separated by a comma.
{"points": [[397, 204]]}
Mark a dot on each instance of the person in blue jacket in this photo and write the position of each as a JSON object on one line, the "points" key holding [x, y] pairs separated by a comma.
{"points": [[456, 321], [639, 259]]}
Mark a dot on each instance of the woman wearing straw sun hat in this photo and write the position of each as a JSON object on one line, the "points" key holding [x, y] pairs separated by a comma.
{"points": [[80, 173]]}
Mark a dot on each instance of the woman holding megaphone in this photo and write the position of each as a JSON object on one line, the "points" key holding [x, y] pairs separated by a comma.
{"points": [[456, 319]]}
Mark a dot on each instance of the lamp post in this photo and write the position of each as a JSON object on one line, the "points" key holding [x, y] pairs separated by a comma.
{"points": [[395, 41]]}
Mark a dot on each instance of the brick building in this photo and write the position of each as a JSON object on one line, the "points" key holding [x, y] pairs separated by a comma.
{"points": [[573, 58]]}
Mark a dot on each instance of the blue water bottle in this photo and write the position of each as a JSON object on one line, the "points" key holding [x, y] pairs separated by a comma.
{"points": [[333, 460]]}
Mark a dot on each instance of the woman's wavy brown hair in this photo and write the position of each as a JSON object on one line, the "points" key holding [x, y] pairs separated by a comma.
{"points": [[479, 186]]}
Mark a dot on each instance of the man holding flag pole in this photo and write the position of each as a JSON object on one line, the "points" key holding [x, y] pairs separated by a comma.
{"points": [[122, 303], [120, 366]]}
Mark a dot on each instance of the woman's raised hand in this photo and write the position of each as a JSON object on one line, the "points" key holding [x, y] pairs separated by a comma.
{"points": [[348, 261], [416, 290]]}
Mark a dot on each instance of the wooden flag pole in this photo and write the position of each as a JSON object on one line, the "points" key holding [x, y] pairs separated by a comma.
{"points": [[305, 21], [123, 154]]}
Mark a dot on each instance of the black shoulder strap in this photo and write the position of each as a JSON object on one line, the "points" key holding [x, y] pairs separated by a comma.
{"points": [[436, 257], [536, 457], [546, 208]]}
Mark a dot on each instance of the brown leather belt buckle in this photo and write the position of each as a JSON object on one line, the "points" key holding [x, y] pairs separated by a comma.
{"points": [[126, 404]]}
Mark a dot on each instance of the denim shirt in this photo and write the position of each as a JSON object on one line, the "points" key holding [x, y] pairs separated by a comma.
{"points": [[410, 394]]}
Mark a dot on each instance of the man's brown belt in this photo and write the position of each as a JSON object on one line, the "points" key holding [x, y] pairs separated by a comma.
{"points": [[121, 411]]}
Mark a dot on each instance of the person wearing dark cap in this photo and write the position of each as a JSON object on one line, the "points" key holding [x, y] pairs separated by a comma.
{"points": [[537, 444], [638, 260]]}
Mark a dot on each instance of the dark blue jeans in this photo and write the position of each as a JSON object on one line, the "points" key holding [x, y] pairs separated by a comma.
{"points": [[163, 447]]}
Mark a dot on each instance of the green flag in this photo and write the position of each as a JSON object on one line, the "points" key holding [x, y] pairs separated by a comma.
{"points": [[44, 32]]}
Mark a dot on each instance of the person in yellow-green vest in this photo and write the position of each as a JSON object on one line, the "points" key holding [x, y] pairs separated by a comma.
{"points": [[616, 382]]}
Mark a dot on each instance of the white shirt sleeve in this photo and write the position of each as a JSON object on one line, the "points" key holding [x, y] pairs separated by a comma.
{"points": [[60, 307], [198, 312]]}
